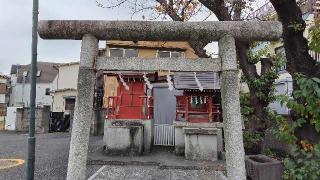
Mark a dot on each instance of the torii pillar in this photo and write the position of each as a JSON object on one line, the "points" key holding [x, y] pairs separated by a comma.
{"points": [[83, 108], [225, 32]]}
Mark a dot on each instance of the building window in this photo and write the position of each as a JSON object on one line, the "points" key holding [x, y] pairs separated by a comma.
{"points": [[170, 54], [121, 52], [130, 53], [70, 103], [47, 91], [39, 73]]}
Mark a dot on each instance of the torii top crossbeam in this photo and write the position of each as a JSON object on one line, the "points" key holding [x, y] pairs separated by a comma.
{"points": [[160, 30]]}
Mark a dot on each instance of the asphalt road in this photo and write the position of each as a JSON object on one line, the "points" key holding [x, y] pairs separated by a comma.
{"points": [[51, 155]]}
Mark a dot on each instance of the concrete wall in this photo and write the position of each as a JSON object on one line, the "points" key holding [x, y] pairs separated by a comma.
{"points": [[20, 95], [11, 117], [42, 119], [58, 104]]}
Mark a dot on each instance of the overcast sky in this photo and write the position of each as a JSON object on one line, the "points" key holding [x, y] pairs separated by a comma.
{"points": [[15, 29]]}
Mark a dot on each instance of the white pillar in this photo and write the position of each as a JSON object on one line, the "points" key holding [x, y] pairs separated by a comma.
{"points": [[235, 156], [83, 110]]}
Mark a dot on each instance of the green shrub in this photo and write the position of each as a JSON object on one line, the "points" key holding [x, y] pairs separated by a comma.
{"points": [[304, 160]]}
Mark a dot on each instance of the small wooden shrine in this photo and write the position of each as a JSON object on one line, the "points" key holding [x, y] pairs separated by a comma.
{"points": [[200, 101]]}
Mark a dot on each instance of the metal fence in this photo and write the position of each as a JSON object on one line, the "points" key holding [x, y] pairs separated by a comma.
{"points": [[164, 134]]}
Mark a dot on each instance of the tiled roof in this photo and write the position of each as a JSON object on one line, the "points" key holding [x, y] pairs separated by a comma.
{"points": [[47, 72]]}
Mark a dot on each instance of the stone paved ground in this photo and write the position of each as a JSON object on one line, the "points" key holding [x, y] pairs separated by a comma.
{"points": [[51, 155], [108, 172]]}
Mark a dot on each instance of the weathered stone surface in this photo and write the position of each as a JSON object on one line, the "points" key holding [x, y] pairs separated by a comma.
{"points": [[205, 131], [228, 61], [124, 140], [179, 134], [179, 143], [83, 111], [231, 111], [141, 64], [201, 143], [89, 44], [160, 31], [147, 129]]}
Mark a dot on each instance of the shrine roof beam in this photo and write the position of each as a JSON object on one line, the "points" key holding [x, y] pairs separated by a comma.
{"points": [[160, 30], [156, 64]]}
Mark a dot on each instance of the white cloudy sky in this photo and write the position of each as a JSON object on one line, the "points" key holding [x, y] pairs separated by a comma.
{"points": [[16, 21]]}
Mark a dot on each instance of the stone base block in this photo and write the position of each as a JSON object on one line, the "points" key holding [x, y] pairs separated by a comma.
{"points": [[201, 143], [261, 167], [124, 140]]}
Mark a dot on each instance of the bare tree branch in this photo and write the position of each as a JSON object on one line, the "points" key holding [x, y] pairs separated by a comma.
{"points": [[112, 6]]}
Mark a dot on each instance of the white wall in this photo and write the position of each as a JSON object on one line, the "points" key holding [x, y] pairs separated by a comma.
{"points": [[68, 76], [21, 95], [11, 117]]}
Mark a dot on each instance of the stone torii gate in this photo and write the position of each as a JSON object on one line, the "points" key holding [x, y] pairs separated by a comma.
{"points": [[90, 32]]}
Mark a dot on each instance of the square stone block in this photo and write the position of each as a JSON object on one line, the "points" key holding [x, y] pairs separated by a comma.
{"points": [[124, 140], [201, 143]]}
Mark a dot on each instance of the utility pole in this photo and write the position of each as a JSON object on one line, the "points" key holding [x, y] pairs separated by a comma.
{"points": [[31, 138]]}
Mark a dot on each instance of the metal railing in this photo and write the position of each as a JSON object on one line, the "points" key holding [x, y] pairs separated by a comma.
{"points": [[164, 135]]}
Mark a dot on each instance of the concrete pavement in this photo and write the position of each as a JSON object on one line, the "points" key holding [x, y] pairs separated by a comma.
{"points": [[52, 152]]}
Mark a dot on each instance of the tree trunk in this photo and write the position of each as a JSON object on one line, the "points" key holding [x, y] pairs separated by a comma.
{"points": [[295, 44], [298, 58]]}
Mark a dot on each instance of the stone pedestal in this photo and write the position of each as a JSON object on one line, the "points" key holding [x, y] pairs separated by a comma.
{"points": [[201, 143], [180, 137], [124, 140], [146, 131]]}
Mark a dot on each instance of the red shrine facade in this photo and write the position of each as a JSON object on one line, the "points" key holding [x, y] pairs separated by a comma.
{"points": [[134, 100]]}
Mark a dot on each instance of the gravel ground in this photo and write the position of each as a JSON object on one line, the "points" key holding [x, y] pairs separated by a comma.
{"points": [[52, 152]]}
